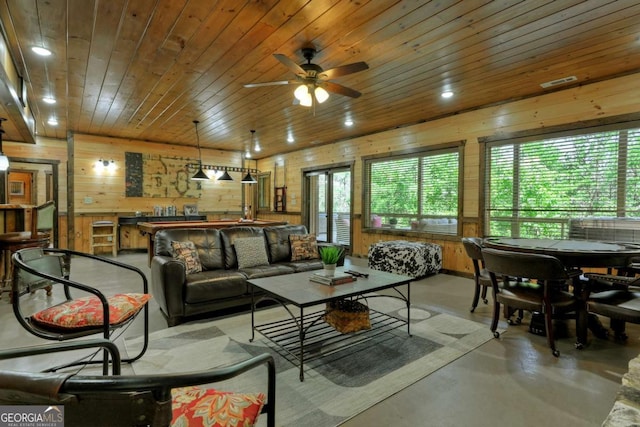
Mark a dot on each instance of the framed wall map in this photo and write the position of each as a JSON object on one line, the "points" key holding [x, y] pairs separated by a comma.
{"points": [[152, 175]]}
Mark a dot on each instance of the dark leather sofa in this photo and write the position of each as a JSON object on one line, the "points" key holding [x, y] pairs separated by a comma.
{"points": [[221, 284]]}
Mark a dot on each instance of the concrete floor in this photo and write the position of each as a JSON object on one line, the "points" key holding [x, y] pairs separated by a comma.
{"points": [[511, 380]]}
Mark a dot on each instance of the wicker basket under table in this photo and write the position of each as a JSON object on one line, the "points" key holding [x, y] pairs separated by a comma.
{"points": [[347, 316]]}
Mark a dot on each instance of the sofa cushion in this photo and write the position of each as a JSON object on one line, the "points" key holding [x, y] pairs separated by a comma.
{"points": [[251, 252], [187, 253], [267, 271], [207, 241], [212, 285], [229, 236], [278, 241], [303, 246], [199, 406], [87, 312]]}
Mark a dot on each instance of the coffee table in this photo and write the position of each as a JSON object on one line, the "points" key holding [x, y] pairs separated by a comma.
{"points": [[302, 331]]}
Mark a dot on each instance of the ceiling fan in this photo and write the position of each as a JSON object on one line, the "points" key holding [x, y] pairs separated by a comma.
{"points": [[313, 80]]}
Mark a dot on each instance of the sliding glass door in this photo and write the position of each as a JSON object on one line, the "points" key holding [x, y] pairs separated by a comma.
{"points": [[328, 204]]}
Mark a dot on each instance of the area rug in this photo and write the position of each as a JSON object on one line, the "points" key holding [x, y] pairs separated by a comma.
{"points": [[336, 387]]}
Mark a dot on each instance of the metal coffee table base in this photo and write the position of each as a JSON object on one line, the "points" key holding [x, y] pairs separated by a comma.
{"points": [[299, 337]]}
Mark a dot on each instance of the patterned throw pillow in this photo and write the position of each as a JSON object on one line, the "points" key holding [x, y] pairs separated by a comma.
{"points": [[303, 246], [187, 253], [251, 252], [196, 407], [86, 312]]}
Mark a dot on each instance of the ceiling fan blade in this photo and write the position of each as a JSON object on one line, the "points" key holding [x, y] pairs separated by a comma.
{"points": [[339, 89], [343, 70], [281, 82], [290, 64]]}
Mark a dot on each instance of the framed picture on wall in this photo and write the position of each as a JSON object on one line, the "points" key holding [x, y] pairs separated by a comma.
{"points": [[190, 210], [16, 188]]}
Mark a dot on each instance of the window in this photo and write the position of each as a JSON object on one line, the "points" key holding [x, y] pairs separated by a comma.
{"points": [[418, 191], [546, 186], [263, 195]]}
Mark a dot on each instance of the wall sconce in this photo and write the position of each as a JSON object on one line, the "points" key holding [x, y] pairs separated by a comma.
{"points": [[4, 160], [109, 165]]}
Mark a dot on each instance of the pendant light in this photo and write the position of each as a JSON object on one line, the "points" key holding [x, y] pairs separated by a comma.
{"points": [[248, 179], [4, 160], [200, 175], [225, 177]]}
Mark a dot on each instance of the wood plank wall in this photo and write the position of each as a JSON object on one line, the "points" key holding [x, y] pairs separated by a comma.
{"points": [[100, 195], [219, 200]]}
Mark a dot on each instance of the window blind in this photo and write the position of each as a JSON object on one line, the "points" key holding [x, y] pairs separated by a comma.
{"points": [[417, 191], [551, 187]]}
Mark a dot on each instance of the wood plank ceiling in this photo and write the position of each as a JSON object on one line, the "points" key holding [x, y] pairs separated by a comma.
{"points": [[145, 69]]}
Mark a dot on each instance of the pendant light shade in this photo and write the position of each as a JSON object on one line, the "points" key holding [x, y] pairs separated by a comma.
{"points": [[225, 177], [199, 175], [248, 179]]}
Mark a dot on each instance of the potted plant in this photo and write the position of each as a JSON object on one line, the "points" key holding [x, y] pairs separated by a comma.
{"points": [[330, 255], [393, 222]]}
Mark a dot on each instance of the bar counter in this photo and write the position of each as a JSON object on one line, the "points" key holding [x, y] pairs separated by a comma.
{"points": [[15, 217], [151, 228]]}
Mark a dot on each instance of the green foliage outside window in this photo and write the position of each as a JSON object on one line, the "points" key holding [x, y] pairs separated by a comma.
{"points": [[407, 189], [536, 187]]}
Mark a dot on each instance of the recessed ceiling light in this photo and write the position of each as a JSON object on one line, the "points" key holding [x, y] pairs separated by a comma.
{"points": [[446, 94], [52, 121], [348, 122], [290, 139], [41, 50], [49, 100]]}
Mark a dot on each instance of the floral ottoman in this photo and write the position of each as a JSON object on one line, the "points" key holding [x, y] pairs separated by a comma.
{"points": [[413, 259]]}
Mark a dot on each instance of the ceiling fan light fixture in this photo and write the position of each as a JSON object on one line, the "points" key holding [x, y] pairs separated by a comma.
{"points": [[321, 94], [306, 101], [301, 92]]}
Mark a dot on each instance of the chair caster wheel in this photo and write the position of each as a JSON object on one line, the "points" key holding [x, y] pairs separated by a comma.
{"points": [[472, 309], [579, 346], [486, 301], [621, 336], [518, 320], [496, 334], [556, 353]]}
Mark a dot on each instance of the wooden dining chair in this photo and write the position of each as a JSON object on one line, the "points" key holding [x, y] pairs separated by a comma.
{"points": [[615, 297], [482, 281], [38, 235], [550, 298]]}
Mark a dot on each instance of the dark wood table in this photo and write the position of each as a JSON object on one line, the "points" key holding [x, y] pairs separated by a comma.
{"points": [[297, 290], [151, 228], [572, 252]]}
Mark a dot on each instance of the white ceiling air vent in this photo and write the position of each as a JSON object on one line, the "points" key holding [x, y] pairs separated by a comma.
{"points": [[559, 81]]}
